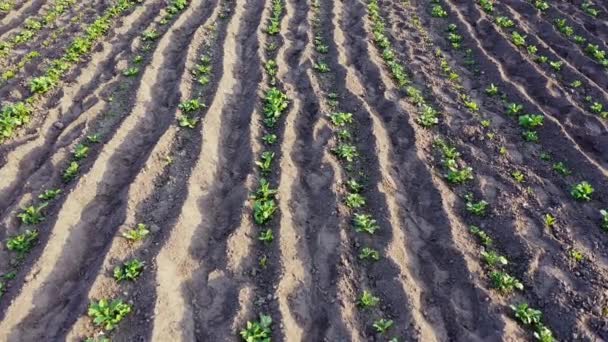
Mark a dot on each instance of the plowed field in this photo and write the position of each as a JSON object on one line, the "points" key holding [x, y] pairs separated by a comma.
{"points": [[303, 170]]}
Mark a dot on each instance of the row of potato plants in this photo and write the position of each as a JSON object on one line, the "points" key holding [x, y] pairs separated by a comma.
{"points": [[105, 312], [354, 190], [495, 262], [33, 25], [529, 124], [590, 102], [581, 191], [459, 174], [16, 63], [265, 206], [584, 42], [17, 114]]}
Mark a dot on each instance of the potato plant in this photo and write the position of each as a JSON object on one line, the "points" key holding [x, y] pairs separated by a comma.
{"points": [[258, 331], [108, 313], [582, 191], [367, 300], [32, 215], [22, 243], [370, 254], [138, 233], [130, 270]]}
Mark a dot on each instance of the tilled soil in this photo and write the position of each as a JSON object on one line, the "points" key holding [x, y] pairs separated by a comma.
{"points": [[206, 272]]}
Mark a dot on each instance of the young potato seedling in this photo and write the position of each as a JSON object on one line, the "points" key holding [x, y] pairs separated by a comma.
{"points": [[382, 325], [438, 12], [266, 236], [562, 169], [264, 191], [582, 191], [494, 259], [275, 103], [518, 176], [131, 71], [138, 233], [526, 314], [263, 211], [483, 237], [476, 208], [354, 186], [33, 214], [346, 152], [258, 331], [270, 138], [365, 223], [576, 256], [341, 119], [369, 254], [505, 283], [550, 220], [108, 314], [71, 172], [265, 162], [81, 151], [492, 90], [190, 106], [22, 243], [130, 270], [354, 201], [322, 67], [367, 300], [50, 194]]}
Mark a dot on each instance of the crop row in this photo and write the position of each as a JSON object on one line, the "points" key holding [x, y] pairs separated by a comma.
{"points": [[459, 175], [265, 206], [32, 26], [529, 123], [538, 54], [105, 313], [354, 188], [15, 115], [57, 32], [581, 191]]}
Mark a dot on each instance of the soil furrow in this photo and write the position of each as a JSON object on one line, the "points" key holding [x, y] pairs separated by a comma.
{"points": [[103, 190], [538, 90], [441, 309], [579, 66], [159, 205], [48, 174], [309, 234], [532, 240], [79, 107], [201, 299], [49, 42]]}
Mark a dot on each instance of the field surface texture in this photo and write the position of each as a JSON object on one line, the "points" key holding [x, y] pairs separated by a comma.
{"points": [[303, 170]]}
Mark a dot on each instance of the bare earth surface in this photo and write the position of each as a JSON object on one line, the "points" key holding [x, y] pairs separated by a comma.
{"points": [[358, 206]]}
